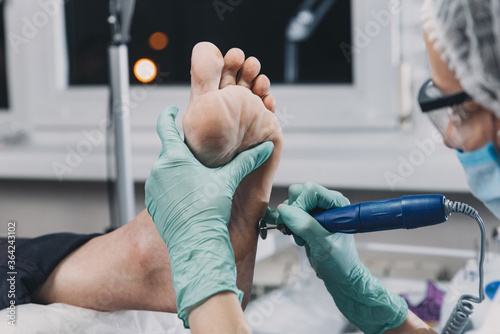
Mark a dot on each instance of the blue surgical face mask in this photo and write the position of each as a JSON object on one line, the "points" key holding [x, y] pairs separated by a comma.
{"points": [[482, 168]]}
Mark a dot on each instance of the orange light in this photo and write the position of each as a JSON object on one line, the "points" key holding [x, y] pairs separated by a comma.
{"points": [[145, 70], [158, 41]]}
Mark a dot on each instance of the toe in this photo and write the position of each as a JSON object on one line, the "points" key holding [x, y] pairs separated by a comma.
{"points": [[261, 86], [270, 102], [248, 72], [233, 61], [206, 68]]}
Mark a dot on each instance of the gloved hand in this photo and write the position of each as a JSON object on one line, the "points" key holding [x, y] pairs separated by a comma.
{"points": [[191, 206], [359, 296]]}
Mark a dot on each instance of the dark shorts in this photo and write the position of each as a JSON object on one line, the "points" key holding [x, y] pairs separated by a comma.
{"points": [[35, 259]]}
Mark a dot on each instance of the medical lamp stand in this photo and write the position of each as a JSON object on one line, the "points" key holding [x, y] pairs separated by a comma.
{"points": [[122, 201]]}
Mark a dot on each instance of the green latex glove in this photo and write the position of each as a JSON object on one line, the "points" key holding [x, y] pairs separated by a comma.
{"points": [[191, 206], [359, 296]]}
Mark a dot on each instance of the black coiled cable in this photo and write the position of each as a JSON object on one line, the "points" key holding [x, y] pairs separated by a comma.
{"points": [[460, 316]]}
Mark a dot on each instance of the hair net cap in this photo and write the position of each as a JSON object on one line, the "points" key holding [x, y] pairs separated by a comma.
{"points": [[467, 35]]}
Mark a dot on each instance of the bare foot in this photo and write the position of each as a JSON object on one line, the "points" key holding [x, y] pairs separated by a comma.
{"points": [[229, 111]]}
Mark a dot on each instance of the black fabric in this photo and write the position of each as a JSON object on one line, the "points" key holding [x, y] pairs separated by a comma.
{"points": [[35, 260]]}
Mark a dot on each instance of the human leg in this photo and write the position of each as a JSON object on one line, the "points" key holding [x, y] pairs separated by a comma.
{"points": [[128, 268]]}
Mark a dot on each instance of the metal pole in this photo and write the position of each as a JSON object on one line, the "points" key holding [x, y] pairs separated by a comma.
{"points": [[124, 198]]}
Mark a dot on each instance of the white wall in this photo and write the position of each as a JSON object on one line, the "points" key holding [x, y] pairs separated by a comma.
{"points": [[41, 207]]}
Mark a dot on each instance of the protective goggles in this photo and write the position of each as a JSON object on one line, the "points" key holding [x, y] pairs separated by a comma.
{"points": [[449, 113]]}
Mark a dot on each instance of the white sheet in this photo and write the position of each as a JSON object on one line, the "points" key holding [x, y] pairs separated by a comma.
{"points": [[62, 318], [303, 307]]}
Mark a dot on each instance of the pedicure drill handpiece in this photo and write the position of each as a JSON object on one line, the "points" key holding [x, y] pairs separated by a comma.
{"points": [[406, 212]]}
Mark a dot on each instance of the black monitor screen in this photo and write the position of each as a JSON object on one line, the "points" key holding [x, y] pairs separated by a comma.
{"points": [[165, 32]]}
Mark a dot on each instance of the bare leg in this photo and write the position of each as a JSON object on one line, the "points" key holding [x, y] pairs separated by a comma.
{"points": [[130, 268]]}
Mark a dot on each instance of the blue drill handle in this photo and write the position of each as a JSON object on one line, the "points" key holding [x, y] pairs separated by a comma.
{"points": [[404, 212]]}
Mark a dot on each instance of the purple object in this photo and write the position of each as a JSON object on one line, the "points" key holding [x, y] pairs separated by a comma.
{"points": [[430, 308]]}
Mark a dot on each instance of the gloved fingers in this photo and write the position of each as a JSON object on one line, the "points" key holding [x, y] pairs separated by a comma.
{"points": [[286, 202], [271, 216], [246, 162], [298, 240], [326, 198], [300, 223], [294, 191], [316, 196], [171, 139], [166, 128]]}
